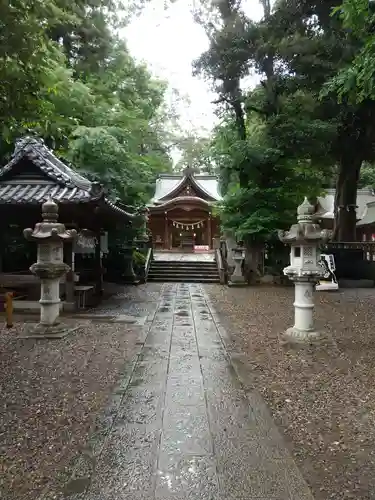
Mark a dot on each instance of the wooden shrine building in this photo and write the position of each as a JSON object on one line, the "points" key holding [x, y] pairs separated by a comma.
{"points": [[181, 214], [33, 175]]}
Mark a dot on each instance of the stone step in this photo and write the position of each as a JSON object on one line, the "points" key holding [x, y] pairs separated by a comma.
{"points": [[162, 263], [176, 274], [184, 269], [185, 279]]}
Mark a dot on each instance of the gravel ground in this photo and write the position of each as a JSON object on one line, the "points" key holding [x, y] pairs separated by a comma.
{"points": [[51, 393], [322, 398]]}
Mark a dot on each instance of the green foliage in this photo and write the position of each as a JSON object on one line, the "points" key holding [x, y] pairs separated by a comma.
{"points": [[139, 259], [298, 119], [355, 81], [271, 147], [195, 153], [274, 188], [66, 76], [25, 56], [367, 178]]}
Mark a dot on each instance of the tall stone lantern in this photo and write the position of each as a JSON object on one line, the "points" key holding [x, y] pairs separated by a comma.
{"points": [[50, 237], [304, 270], [144, 218]]}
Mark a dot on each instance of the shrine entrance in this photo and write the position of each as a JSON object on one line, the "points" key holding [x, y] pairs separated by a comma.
{"points": [[181, 215], [197, 236], [186, 234]]}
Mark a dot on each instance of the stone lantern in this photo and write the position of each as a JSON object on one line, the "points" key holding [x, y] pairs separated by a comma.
{"points": [[50, 237], [238, 255], [144, 216], [304, 270]]}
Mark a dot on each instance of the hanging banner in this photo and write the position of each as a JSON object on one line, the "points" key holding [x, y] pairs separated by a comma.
{"points": [[84, 244], [187, 226]]}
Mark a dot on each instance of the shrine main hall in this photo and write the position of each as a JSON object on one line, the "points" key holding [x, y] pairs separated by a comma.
{"points": [[181, 211]]}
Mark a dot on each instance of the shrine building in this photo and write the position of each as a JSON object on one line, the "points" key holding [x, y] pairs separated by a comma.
{"points": [[181, 211]]}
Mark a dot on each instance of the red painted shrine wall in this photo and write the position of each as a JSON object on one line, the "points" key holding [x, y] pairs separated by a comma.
{"points": [[164, 233]]}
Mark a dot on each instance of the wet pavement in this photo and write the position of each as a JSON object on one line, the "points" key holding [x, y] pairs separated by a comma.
{"points": [[181, 425]]}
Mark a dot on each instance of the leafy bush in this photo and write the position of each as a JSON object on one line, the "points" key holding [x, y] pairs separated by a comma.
{"points": [[139, 259]]}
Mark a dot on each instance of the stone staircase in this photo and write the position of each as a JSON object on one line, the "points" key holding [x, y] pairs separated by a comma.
{"points": [[183, 271]]}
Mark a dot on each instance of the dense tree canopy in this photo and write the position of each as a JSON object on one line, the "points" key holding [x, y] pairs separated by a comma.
{"points": [[271, 145], [307, 125], [355, 81], [195, 153], [65, 75], [310, 120]]}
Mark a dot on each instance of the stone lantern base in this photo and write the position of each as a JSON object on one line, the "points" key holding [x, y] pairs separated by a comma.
{"points": [[294, 335], [303, 331], [57, 331], [304, 339], [237, 281]]}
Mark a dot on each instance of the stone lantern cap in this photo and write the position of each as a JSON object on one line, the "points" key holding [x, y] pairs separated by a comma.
{"points": [[238, 250], [50, 229], [239, 246], [306, 231]]}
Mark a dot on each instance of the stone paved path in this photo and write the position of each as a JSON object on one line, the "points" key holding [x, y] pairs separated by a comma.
{"points": [[183, 427]]}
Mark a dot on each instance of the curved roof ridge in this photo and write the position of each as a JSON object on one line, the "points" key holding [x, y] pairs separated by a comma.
{"points": [[180, 199], [175, 188], [119, 209], [170, 174], [47, 161]]}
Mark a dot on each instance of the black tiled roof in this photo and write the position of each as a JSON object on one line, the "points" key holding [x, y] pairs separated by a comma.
{"points": [[52, 178], [17, 193]]}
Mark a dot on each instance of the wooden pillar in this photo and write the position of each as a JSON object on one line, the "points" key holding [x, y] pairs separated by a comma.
{"points": [[209, 224], [69, 304], [1, 252], [166, 233], [98, 266]]}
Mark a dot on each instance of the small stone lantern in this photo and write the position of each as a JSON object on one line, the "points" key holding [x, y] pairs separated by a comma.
{"points": [[304, 270], [50, 237], [237, 278]]}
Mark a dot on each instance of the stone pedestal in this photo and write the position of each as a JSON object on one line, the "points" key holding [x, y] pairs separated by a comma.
{"points": [[50, 302], [128, 275], [304, 270], [50, 237], [303, 329]]}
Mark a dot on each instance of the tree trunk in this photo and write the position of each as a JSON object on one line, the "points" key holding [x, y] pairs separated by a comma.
{"points": [[253, 261], [346, 198]]}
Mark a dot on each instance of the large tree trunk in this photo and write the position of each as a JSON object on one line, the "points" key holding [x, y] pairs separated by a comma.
{"points": [[346, 198], [354, 145], [253, 268]]}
